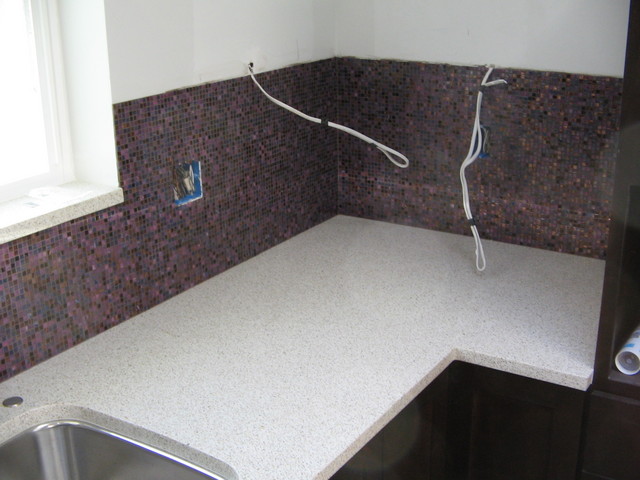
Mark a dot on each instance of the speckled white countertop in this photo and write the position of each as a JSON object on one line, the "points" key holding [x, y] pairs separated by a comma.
{"points": [[286, 365]]}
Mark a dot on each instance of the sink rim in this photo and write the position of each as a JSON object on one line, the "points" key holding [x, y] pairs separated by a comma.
{"points": [[49, 425], [13, 422]]}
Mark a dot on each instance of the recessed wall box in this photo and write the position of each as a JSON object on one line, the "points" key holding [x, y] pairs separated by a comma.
{"points": [[187, 183]]}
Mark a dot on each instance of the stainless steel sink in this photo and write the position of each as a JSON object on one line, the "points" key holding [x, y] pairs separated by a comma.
{"points": [[72, 450]]}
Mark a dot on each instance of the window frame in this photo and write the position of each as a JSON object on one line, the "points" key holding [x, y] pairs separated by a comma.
{"points": [[43, 23], [89, 143]]}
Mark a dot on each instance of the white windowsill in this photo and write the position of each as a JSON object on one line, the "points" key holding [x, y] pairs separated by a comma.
{"points": [[30, 214]]}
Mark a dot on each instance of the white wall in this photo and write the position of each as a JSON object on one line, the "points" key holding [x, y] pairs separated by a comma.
{"points": [[84, 42], [577, 36], [271, 33], [159, 45], [150, 46]]}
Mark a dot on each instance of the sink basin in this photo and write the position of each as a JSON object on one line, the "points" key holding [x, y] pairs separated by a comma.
{"points": [[73, 450]]}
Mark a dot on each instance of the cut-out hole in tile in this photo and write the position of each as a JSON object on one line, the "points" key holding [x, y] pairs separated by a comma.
{"points": [[187, 184]]}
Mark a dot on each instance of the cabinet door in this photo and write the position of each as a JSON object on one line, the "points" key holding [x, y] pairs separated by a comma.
{"points": [[618, 314], [414, 441], [364, 465], [474, 423], [522, 428], [612, 440]]}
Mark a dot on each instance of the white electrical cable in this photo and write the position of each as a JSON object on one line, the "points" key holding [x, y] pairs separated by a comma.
{"points": [[390, 153], [476, 147]]}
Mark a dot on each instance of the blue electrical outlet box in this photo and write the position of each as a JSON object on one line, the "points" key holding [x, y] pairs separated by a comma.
{"points": [[187, 183]]}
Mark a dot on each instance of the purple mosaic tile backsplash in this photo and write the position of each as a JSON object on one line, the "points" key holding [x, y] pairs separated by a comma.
{"points": [[548, 181], [268, 175]]}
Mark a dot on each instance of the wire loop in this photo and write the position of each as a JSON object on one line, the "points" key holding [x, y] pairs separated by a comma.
{"points": [[395, 157], [478, 140]]}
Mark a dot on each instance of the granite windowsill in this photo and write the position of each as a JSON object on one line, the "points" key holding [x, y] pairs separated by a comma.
{"points": [[53, 206]]}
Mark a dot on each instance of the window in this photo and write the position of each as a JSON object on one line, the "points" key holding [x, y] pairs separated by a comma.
{"points": [[35, 149], [54, 137]]}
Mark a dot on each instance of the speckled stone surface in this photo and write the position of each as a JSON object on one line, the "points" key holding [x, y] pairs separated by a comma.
{"points": [[287, 364], [27, 215], [269, 175]]}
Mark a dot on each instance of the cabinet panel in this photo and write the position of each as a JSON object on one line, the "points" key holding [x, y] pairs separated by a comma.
{"points": [[589, 476], [364, 465], [620, 311], [519, 427], [414, 441], [523, 428], [612, 440], [509, 438], [474, 423]]}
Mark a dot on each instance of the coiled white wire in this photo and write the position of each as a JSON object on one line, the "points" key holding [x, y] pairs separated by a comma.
{"points": [[400, 160], [477, 143]]}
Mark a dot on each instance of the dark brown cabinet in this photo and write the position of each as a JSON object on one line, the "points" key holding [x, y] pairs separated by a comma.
{"points": [[612, 427], [367, 464], [474, 423], [516, 427], [414, 441], [612, 440], [620, 311]]}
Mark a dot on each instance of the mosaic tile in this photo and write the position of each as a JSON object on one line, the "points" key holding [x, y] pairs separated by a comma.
{"points": [[553, 140], [268, 175]]}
